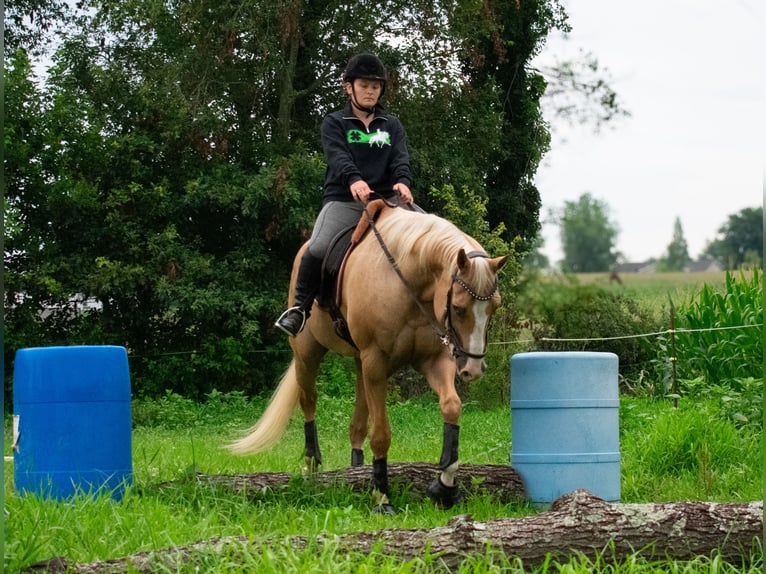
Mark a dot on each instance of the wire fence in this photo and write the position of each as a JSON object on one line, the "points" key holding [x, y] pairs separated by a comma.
{"points": [[670, 333], [500, 343], [667, 384], [620, 337]]}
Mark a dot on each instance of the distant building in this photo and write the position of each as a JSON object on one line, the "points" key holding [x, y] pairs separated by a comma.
{"points": [[703, 264], [645, 267]]}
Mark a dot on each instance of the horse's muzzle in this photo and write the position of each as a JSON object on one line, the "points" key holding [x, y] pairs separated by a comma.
{"points": [[470, 368]]}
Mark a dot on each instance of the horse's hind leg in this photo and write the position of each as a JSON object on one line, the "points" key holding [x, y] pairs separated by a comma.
{"points": [[359, 420], [308, 355], [375, 387]]}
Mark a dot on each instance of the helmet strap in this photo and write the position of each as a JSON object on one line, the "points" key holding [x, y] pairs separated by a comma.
{"points": [[354, 102]]}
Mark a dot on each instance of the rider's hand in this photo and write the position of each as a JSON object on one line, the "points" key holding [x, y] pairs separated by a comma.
{"points": [[360, 190], [404, 192]]}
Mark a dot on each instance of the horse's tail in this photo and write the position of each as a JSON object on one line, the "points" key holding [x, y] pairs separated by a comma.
{"points": [[273, 422]]}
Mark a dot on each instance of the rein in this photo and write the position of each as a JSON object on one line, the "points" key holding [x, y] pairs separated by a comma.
{"points": [[446, 334]]}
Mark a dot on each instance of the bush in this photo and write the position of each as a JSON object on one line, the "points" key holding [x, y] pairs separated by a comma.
{"points": [[593, 318], [173, 411], [337, 377], [740, 400]]}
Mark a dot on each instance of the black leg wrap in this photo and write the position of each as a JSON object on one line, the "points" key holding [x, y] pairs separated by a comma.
{"points": [[380, 483], [357, 457], [440, 494], [380, 475], [312, 443], [450, 444]]}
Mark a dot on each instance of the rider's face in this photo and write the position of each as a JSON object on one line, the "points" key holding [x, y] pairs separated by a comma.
{"points": [[367, 92]]}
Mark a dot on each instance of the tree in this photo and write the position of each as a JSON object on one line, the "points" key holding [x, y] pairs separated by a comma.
{"points": [[535, 258], [24, 180], [170, 168], [588, 237], [677, 255], [32, 24], [740, 239], [145, 184], [496, 61], [170, 164], [578, 92]]}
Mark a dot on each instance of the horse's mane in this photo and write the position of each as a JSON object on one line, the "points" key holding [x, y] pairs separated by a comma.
{"points": [[433, 240]]}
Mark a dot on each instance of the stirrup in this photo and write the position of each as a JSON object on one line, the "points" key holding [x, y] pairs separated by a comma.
{"points": [[292, 328]]}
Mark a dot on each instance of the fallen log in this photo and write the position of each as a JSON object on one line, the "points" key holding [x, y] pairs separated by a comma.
{"points": [[500, 481], [577, 523]]}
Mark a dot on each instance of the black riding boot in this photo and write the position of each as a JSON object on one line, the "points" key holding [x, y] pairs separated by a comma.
{"points": [[294, 319]]}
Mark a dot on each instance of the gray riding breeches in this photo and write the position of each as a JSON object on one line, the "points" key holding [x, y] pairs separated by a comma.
{"points": [[334, 218]]}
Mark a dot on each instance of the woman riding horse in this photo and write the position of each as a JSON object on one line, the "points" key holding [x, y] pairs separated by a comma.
{"points": [[365, 150]]}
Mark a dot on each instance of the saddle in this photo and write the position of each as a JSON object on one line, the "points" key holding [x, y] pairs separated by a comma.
{"points": [[334, 264]]}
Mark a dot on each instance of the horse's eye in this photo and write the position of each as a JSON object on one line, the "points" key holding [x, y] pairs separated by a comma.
{"points": [[459, 311]]}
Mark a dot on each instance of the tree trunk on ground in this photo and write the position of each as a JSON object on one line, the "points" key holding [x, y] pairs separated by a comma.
{"points": [[576, 523], [502, 482]]}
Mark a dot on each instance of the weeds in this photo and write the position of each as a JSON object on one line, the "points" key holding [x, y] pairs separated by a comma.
{"points": [[726, 338]]}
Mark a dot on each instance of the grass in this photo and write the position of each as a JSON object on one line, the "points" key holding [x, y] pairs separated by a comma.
{"points": [[667, 454], [688, 453]]}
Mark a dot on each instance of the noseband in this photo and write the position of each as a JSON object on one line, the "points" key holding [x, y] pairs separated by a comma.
{"points": [[449, 336]]}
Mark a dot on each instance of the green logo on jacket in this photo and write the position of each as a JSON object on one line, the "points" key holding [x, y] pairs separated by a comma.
{"points": [[377, 138]]}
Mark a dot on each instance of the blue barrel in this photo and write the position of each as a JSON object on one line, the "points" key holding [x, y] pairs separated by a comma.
{"points": [[565, 424], [72, 425]]}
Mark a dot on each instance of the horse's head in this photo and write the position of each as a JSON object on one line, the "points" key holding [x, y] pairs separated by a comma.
{"points": [[472, 298]]}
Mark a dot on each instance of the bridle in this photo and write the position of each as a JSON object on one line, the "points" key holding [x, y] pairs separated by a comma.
{"points": [[446, 330], [452, 336]]}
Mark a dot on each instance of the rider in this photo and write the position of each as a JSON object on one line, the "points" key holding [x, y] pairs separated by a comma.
{"points": [[365, 150]]}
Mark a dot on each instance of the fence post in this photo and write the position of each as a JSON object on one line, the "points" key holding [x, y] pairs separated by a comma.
{"points": [[673, 359]]}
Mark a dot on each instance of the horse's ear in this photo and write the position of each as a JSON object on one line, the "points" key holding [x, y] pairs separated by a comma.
{"points": [[463, 263], [498, 262]]}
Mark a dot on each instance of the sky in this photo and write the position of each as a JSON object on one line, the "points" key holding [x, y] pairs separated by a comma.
{"points": [[692, 74]]}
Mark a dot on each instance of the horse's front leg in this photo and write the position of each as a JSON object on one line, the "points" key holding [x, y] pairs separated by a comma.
{"points": [[443, 490], [359, 420]]}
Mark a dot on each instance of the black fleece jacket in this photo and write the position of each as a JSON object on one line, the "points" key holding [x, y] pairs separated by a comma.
{"points": [[377, 155]]}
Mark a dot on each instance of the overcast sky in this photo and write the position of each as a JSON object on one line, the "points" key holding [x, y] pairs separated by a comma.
{"points": [[693, 75]]}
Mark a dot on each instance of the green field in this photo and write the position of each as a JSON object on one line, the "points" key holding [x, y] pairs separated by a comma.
{"points": [[692, 453], [656, 288]]}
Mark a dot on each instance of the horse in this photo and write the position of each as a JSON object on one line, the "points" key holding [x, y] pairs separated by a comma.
{"points": [[417, 292]]}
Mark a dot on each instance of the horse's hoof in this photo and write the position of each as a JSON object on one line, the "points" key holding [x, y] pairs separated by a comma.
{"points": [[383, 509], [443, 496], [310, 466]]}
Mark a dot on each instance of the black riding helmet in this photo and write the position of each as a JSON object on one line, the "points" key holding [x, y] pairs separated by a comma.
{"points": [[365, 67]]}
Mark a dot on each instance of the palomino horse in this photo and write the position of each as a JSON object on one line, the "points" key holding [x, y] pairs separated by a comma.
{"points": [[420, 292]]}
